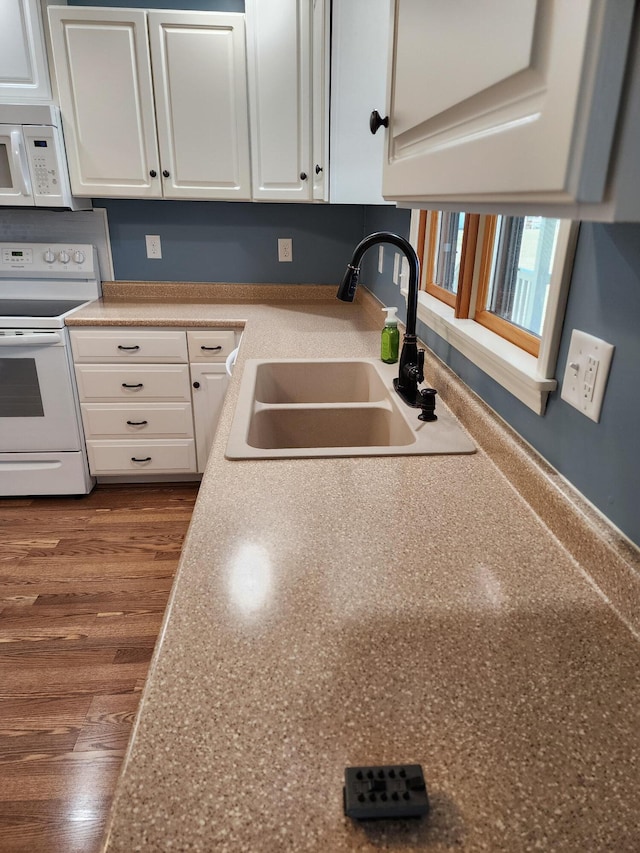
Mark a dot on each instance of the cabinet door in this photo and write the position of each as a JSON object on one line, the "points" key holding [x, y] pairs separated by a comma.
{"points": [[279, 58], [103, 70], [24, 75], [504, 101], [209, 387], [360, 35], [200, 81]]}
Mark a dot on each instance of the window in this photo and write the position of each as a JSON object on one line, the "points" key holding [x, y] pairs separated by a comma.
{"points": [[495, 287]]}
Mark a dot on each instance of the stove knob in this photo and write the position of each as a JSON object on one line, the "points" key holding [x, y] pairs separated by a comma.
{"points": [[49, 256], [78, 257], [63, 257]]}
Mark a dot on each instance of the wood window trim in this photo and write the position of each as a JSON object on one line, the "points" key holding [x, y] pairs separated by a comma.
{"points": [[467, 261], [461, 301], [514, 334], [428, 256]]}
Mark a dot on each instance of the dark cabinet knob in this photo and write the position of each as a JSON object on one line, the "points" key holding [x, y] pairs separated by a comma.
{"points": [[165, 173], [376, 121], [196, 384], [153, 173], [303, 176], [318, 169]]}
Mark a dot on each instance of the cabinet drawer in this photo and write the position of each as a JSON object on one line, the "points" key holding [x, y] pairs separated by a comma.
{"points": [[115, 345], [152, 420], [101, 382], [171, 456], [211, 345]]}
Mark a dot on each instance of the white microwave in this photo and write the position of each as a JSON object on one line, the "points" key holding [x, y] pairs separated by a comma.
{"points": [[33, 163]]}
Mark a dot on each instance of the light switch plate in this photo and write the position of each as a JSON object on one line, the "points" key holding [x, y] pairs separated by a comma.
{"points": [[586, 373]]}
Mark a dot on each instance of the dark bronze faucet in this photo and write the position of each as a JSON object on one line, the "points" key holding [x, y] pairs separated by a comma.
{"points": [[411, 364]]}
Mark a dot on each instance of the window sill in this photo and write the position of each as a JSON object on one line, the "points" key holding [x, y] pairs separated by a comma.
{"points": [[511, 367]]}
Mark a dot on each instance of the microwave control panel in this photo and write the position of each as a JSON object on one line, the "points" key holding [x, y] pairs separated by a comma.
{"points": [[42, 153]]}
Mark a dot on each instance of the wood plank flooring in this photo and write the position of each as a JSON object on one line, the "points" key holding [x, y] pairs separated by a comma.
{"points": [[84, 583]]}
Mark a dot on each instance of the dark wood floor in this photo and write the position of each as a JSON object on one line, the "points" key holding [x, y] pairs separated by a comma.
{"points": [[83, 587]]}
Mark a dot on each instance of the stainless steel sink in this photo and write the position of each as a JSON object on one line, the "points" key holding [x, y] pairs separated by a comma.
{"points": [[332, 407]]}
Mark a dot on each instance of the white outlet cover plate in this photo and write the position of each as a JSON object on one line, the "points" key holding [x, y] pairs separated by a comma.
{"points": [[154, 246], [586, 373], [396, 268], [285, 249]]}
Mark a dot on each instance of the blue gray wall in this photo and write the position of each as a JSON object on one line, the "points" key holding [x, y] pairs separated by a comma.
{"points": [[602, 460], [232, 241]]}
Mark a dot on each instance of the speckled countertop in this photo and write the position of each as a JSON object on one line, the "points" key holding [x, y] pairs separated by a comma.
{"points": [[467, 613]]}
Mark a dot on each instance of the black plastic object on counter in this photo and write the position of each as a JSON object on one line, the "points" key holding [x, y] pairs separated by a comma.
{"points": [[373, 793]]}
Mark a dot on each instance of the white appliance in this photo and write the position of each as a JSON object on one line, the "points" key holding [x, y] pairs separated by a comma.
{"points": [[33, 163], [42, 449]]}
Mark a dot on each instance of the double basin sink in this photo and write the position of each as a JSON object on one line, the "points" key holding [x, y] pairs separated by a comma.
{"points": [[332, 407]]}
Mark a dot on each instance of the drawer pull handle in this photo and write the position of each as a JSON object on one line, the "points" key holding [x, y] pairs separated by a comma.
{"points": [[211, 348], [146, 459], [128, 348], [137, 423], [138, 385]]}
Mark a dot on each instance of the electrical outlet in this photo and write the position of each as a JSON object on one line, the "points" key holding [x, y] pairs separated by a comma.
{"points": [[396, 268], [404, 275], [154, 248], [285, 249], [380, 258], [585, 376]]}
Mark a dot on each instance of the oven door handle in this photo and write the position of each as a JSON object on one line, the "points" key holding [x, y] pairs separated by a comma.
{"points": [[43, 339]]}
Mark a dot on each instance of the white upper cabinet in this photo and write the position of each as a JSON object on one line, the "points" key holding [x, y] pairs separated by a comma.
{"points": [[509, 106], [103, 70], [107, 65], [360, 33], [24, 75], [288, 98], [200, 81]]}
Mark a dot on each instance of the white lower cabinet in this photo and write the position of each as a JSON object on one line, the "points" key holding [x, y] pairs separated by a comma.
{"points": [[209, 383], [117, 382], [171, 456], [148, 418]]}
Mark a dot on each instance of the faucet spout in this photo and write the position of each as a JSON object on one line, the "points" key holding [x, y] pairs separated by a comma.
{"points": [[410, 364]]}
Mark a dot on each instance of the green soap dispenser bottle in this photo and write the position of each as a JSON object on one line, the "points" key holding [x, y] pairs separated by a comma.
{"points": [[390, 337]]}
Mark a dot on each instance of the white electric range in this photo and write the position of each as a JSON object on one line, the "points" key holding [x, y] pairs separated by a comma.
{"points": [[42, 448]]}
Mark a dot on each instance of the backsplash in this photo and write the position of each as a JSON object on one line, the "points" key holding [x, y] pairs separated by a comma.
{"points": [[232, 241], [30, 225]]}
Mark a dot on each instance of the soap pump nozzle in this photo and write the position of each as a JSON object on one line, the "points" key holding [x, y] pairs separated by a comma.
{"points": [[391, 319]]}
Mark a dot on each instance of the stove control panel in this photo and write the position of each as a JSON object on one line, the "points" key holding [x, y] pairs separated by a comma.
{"points": [[47, 260]]}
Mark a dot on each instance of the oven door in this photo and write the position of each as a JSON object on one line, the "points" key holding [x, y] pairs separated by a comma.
{"points": [[15, 179], [38, 409]]}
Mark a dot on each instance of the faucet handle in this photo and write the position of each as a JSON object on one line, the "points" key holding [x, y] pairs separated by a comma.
{"points": [[428, 405], [420, 375]]}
